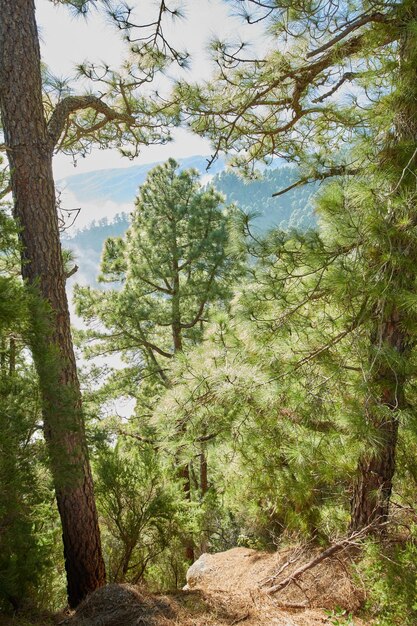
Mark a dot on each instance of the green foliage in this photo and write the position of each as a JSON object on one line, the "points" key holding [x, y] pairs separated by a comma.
{"points": [[31, 564], [390, 575], [28, 537], [141, 514], [172, 266], [340, 617], [280, 378], [23, 553]]}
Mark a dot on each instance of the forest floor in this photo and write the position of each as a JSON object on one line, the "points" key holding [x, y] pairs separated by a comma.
{"points": [[231, 588]]}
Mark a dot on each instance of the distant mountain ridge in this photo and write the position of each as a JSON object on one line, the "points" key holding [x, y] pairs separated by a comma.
{"points": [[292, 210], [121, 184]]}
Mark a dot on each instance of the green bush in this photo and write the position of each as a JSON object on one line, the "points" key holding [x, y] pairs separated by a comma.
{"points": [[390, 576], [141, 514]]}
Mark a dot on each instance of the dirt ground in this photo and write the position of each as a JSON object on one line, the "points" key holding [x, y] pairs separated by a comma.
{"points": [[231, 588]]}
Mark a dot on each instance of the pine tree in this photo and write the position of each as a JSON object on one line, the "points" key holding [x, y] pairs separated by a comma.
{"points": [[35, 125], [173, 266], [289, 107]]}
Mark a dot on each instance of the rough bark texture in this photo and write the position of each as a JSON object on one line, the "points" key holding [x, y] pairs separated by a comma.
{"points": [[29, 149], [373, 485]]}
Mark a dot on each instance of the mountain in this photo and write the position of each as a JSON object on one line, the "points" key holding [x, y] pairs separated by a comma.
{"points": [[120, 186], [294, 209]]}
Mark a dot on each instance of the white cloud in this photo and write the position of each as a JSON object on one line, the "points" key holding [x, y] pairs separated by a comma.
{"points": [[91, 211]]}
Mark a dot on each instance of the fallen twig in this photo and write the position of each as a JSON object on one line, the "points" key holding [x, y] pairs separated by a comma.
{"points": [[330, 551], [283, 567]]}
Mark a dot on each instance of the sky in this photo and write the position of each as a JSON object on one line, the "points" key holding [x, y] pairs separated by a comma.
{"points": [[67, 40]]}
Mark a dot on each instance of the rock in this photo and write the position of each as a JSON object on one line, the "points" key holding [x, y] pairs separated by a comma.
{"points": [[199, 570]]}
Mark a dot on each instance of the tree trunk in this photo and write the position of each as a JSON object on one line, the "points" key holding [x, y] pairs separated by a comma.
{"points": [[184, 471], [12, 355], [393, 336], [29, 151], [373, 485], [184, 475], [203, 472]]}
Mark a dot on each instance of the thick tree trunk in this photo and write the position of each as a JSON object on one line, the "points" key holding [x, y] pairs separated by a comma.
{"points": [[29, 151], [373, 485], [393, 336]]}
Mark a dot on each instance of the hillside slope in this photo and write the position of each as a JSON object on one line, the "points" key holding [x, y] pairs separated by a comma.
{"points": [[293, 210], [227, 588]]}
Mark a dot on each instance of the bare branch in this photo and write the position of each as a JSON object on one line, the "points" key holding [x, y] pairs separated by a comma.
{"points": [[340, 170], [344, 543], [72, 272], [4, 192], [71, 104]]}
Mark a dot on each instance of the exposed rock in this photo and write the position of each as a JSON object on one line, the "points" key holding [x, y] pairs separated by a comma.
{"points": [[199, 570]]}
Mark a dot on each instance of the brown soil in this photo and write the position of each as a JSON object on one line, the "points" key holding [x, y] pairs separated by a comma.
{"points": [[230, 588]]}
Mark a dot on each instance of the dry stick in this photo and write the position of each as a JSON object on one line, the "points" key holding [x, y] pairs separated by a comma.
{"points": [[292, 605], [283, 567], [337, 547]]}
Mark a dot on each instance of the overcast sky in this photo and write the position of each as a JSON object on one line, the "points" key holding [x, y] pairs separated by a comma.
{"points": [[68, 40]]}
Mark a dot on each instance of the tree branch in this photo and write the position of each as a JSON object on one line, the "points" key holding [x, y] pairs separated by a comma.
{"points": [[71, 272], [338, 170], [4, 192], [71, 104], [330, 551], [374, 17]]}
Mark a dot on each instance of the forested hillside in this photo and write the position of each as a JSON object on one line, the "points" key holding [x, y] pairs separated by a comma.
{"points": [[292, 210], [228, 433]]}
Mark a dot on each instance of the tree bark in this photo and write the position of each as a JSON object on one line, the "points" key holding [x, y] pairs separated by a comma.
{"points": [[29, 150], [376, 468], [392, 338], [203, 471], [184, 471]]}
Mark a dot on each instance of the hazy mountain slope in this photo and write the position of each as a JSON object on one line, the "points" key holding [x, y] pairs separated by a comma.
{"points": [[292, 210], [121, 184]]}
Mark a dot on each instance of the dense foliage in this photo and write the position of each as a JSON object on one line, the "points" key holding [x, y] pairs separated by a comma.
{"points": [[270, 368]]}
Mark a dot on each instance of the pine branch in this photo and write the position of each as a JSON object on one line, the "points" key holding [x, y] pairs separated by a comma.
{"points": [[374, 17], [72, 104], [340, 170], [302, 78]]}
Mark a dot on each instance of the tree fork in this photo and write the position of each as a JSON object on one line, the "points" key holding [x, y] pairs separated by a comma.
{"points": [[29, 150]]}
